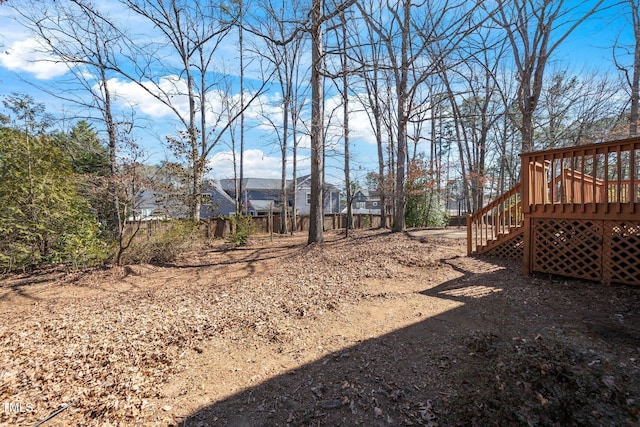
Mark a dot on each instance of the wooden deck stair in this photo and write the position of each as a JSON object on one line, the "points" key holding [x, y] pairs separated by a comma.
{"points": [[497, 229], [575, 213]]}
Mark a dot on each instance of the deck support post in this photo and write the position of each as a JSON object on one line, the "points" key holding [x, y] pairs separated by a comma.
{"points": [[528, 246]]}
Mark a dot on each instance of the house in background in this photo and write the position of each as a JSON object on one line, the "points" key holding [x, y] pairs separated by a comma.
{"points": [[215, 201], [456, 207], [262, 195], [151, 205], [303, 196], [365, 202], [259, 197]]}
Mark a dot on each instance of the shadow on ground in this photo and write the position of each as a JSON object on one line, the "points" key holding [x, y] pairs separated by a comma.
{"points": [[518, 351]]}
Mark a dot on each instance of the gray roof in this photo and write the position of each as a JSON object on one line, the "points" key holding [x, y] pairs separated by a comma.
{"points": [[252, 184], [367, 192]]}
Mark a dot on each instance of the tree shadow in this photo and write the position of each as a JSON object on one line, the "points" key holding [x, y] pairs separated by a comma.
{"points": [[19, 284], [407, 376]]}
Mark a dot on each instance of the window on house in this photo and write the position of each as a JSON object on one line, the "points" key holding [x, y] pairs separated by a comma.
{"points": [[375, 203], [308, 198]]}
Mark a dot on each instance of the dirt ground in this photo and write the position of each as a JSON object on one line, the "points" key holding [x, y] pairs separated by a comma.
{"points": [[374, 329]]}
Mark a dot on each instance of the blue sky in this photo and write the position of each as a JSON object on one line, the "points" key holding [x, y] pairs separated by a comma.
{"points": [[21, 70]]}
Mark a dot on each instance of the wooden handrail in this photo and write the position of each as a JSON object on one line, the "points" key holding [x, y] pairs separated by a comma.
{"points": [[594, 177], [496, 219]]}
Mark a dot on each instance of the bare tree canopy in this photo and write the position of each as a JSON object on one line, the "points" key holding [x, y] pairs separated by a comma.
{"points": [[457, 87]]}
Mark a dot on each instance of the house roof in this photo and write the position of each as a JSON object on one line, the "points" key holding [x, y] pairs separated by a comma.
{"points": [[306, 179], [221, 202], [228, 185], [366, 192], [161, 203], [302, 179], [262, 184], [216, 187], [146, 199]]}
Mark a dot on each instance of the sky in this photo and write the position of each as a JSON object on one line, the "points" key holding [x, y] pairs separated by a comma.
{"points": [[23, 71]]}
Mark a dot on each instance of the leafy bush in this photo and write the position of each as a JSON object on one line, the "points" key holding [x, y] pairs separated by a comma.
{"points": [[43, 218], [82, 244], [423, 210], [243, 227]]}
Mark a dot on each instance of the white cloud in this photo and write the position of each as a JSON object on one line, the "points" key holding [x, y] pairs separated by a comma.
{"points": [[29, 55], [131, 93], [359, 122]]}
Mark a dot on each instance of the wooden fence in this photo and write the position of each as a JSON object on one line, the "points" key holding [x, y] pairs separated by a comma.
{"points": [[222, 227]]}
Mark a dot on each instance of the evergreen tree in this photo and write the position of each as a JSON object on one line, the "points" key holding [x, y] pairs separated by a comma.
{"points": [[42, 216]]}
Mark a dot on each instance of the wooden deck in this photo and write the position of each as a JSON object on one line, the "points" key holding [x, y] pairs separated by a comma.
{"points": [[575, 213]]}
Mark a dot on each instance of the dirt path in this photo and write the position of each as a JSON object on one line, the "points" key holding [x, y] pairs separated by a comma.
{"points": [[377, 329]]}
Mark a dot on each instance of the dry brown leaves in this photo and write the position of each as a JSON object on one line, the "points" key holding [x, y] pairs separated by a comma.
{"points": [[107, 354]]}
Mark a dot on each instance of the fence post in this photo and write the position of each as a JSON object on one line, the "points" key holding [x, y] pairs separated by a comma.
{"points": [[469, 237]]}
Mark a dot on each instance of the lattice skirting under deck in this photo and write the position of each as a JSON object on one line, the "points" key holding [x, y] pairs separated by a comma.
{"points": [[513, 249], [598, 250], [622, 242]]}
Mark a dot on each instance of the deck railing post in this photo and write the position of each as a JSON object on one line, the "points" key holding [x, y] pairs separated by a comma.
{"points": [[527, 170]]}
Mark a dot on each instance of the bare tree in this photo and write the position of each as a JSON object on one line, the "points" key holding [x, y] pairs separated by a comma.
{"points": [[284, 59], [426, 36], [574, 108], [535, 29], [316, 218], [85, 41], [478, 109], [341, 79], [318, 18], [238, 182], [370, 52], [631, 73], [298, 104], [193, 32]]}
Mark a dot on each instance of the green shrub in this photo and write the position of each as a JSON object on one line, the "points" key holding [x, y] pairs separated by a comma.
{"points": [[423, 210], [82, 245], [243, 227]]}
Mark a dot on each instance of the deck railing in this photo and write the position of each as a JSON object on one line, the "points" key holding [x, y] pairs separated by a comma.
{"points": [[496, 219], [592, 178]]}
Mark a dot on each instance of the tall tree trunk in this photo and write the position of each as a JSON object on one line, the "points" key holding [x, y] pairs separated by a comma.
{"points": [[402, 95], [294, 196], [635, 78], [241, 47], [345, 127], [283, 148], [381, 178], [112, 136], [316, 223]]}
